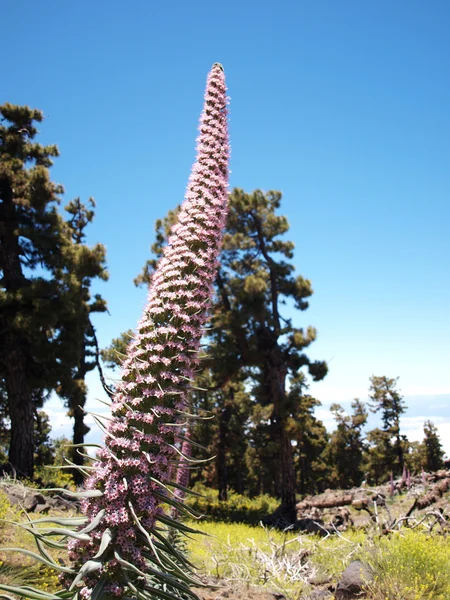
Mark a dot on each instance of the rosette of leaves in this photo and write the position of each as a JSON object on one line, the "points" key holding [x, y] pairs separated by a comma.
{"points": [[121, 547]]}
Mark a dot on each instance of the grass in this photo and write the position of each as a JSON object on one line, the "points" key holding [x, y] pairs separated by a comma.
{"points": [[407, 565], [287, 562], [411, 565]]}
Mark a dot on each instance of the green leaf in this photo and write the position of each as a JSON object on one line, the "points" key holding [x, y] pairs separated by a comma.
{"points": [[28, 592], [177, 525], [74, 522], [143, 530], [64, 594], [194, 444], [95, 522], [85, 494], [41, 559], [84, 445], [177, 504], [70, 466], [164, 544], [105, 541], [175, 570], [98, 589], [161, 576], [90, 566], [180, 487], [157, 593]]}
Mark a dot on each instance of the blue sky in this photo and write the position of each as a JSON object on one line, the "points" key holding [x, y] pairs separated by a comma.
{"points": [[343, 106]]}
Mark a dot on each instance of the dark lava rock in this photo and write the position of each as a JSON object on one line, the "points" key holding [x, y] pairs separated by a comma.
{"points": [[352, 581]]}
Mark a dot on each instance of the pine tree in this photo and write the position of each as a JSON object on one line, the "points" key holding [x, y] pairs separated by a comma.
{"points": [[434, 454], [346, 450], [46, 272], [309, 435], [78, 340], [385, 398], [255, 280], [386, 445], [114, 354], [31, 238]]}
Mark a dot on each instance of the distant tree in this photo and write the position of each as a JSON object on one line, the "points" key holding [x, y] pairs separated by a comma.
{"points": [[346, 449], [415, 456], [113, 355], [231, 440], [377, 464], [44, 450], [386, 399], [310, 438], [62, 450], [434, 453], [78, 339]]}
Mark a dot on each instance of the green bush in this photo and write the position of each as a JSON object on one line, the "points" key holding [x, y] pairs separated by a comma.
{"points": [[237, 509], [51, 478], [5, 505]]}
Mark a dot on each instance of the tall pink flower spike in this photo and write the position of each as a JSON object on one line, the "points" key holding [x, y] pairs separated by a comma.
{"points": [[125, 546]]}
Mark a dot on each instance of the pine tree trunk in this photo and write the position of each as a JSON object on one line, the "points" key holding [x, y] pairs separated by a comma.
{"points": [[21, 448], [79, 431], [13, 359], [400, 456], [288, 501], [302, 475], [221, 454], [276, 383]]}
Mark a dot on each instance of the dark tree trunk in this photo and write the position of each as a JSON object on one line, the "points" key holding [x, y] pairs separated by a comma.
{"points": [[79, 431], [239, 471], [288, 501], [78, 400], [222, 477], [302, 476], [20, 406], [13, 359], [401, 459], [275, 382]]}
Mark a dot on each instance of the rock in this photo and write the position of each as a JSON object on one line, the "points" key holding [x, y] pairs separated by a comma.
{"points": [[353, 579], [42, 508], [311, 526], [31, 501], [321, 595]]}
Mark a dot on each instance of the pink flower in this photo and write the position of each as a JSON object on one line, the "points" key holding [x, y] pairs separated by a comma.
{"points": [[140, 445]]}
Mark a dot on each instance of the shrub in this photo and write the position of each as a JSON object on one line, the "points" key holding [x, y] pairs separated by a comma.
{"points": [[411, 565], [5, 505], [54, 478], [237, 509]]}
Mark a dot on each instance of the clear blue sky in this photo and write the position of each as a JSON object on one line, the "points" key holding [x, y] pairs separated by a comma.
{"points": [[343, 106]]}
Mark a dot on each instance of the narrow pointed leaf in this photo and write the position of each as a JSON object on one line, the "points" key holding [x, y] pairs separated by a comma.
{"points": [[27, 592], [89, 566], [41, 559], [105, 541]]}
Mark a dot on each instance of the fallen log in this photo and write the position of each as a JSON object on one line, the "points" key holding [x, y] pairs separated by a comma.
{"points": [[430, 497]]}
